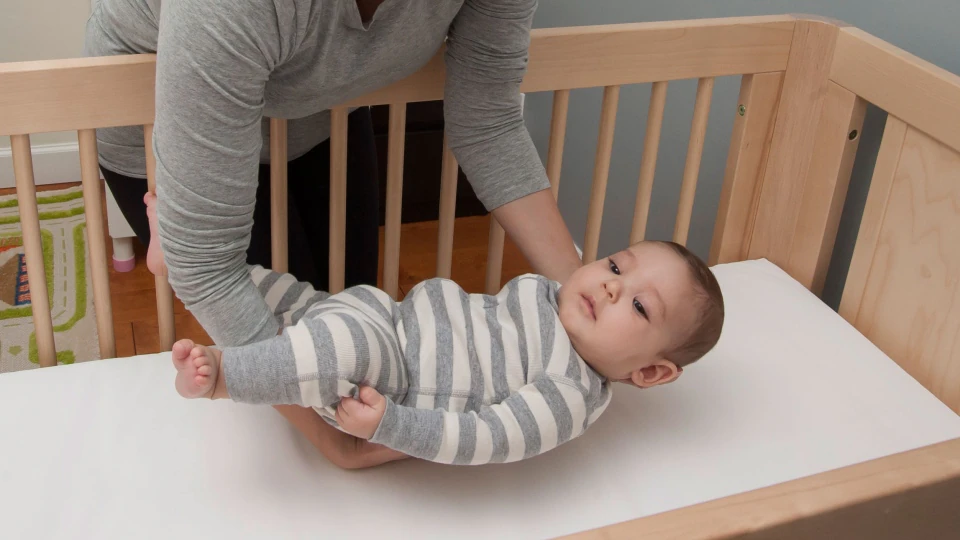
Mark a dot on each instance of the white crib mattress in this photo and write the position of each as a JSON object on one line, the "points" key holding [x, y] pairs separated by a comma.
{"points": [[108, 450]]}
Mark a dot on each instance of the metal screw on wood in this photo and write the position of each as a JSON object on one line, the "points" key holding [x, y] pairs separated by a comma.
{"points": [[742, 110], [853, 135]]}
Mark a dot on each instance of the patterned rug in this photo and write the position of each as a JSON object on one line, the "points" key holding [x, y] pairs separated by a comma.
{"points": [[63, 233]]}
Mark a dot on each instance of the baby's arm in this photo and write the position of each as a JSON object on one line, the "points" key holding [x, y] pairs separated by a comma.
{"points": [[537, 418]]}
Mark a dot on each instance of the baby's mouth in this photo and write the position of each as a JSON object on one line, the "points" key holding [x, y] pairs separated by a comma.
{"points": [[589, 306]]}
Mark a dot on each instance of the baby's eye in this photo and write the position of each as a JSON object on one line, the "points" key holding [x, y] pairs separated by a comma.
{"points": [[639, 307], [614, 268]]}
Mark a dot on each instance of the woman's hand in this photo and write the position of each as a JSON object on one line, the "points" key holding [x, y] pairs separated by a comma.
{"points": [[343, 450]]}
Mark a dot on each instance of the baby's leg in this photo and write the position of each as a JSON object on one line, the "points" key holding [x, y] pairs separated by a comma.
{"points": [[286, 297], [199, 371]]}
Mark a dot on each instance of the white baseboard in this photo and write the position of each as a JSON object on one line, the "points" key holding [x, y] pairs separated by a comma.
{"points": [[58, 164], [52, 164]]}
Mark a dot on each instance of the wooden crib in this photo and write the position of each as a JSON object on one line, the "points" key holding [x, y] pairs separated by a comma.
{"points": [[805, 86]]}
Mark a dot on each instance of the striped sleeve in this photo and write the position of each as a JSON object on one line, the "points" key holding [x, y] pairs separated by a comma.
{"points": [[535, 419], [287, 298]]}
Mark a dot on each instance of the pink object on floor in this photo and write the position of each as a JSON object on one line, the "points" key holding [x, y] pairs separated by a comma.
{"points": [[124, 265]]}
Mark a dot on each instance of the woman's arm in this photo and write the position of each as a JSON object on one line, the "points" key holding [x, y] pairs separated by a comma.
{"points": [[535, 225], [214, 58], [486, 60]]}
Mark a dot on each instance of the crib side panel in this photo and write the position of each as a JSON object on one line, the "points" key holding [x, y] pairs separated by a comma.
{"points": [[908, 495], [908, 300]]}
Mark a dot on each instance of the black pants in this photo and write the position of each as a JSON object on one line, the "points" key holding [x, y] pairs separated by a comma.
{"points": [[308, 209]]}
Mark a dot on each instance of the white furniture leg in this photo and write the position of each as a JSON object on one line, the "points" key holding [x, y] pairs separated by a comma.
{"points": [[123, 257], [121, 233]]}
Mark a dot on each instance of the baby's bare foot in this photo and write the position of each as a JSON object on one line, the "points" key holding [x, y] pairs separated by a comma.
{"points": [[155, 262], [197, 369]]}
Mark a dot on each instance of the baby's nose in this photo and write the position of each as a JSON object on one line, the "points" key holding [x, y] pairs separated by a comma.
{"points": [[612, 289]]}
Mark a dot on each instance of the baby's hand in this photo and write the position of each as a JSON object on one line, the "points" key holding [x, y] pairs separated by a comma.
{"points": [[361, 418]]}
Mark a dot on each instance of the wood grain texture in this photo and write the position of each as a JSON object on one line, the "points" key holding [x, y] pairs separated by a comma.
{"points": [[76, 93], [338, 198], [448, 207], [910, 307], [834, 151], [391, 246], [93, 214], [868, 237], [558, 132], [794, 139], [785, 505], [920, 93], [494, 258], [84, 93], [166, 325], [648, 161], [33, 249], [611, 55], [691, 169], [746, 162], [601, 172], [278, 195]]}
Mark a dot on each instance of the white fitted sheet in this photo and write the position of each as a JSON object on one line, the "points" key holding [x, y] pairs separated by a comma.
{"points": [[108, 450]]}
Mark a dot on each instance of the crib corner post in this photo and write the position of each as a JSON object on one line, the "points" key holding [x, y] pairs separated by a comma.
{"points": [[781, 217]]}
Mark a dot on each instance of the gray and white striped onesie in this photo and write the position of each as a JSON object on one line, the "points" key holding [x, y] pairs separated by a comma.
{"points": [[470, 379]]}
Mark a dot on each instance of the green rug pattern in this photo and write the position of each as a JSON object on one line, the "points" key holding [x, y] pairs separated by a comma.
{"points": [[63, 233]]}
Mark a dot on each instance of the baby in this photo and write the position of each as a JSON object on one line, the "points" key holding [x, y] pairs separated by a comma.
{"points": [[461, 378]]}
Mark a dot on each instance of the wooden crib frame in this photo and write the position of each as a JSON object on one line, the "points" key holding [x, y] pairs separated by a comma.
{"points": [[806, 82]]}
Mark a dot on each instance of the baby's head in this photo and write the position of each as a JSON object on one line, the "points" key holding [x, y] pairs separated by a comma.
{"points": [[643, 314]]}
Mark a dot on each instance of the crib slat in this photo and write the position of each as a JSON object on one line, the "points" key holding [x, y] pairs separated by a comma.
{"points": [[391, 249], [338, 197], [33, 248], [648, 161], [558, 132], [278, 195], [448, 207], [691, 170], [164, 292], [601, 170], [494, 257], [93, 207]]}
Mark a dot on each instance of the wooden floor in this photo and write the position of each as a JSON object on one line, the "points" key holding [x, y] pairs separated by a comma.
{"points": [[134, 302]]}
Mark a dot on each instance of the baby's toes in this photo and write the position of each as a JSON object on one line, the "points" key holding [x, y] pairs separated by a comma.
{"points": [[204, 370], [181, 353]]}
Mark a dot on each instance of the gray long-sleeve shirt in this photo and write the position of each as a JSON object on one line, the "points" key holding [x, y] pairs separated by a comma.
{"points": [[222, 66], [470, 378]]}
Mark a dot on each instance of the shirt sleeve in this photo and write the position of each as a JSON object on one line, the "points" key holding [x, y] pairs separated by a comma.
{"points": [[214, 60], [287, 298], [537, 418], [486, 59]]}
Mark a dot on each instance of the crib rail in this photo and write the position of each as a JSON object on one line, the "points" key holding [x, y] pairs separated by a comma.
{"points": [[803, 95], [790, 140]]}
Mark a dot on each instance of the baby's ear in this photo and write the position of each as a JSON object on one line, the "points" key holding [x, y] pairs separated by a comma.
{"points": [[660, 372]]}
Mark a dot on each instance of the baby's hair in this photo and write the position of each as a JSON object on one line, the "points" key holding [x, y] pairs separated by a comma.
{"points": [[706, 331]]}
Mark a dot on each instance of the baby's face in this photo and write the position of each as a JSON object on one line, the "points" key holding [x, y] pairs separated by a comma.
{"points": [[623, 312]]}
